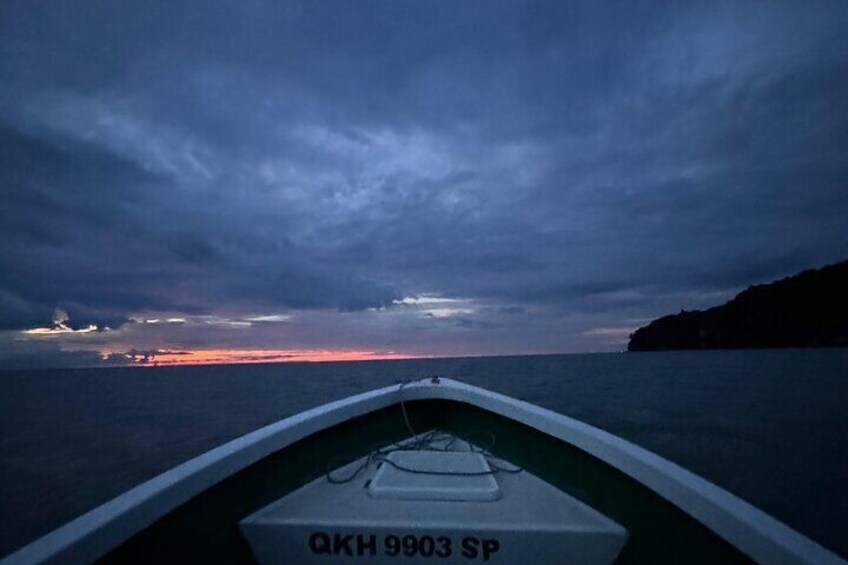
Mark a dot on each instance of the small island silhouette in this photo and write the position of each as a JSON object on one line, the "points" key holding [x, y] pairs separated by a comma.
{"points": [[809, 309]]}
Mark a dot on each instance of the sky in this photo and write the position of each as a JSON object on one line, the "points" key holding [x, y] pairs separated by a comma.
{"points": [[245, 181]]}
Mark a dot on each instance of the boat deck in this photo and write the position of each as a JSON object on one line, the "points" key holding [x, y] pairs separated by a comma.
{"points": [[508, 516], [207, 527]]}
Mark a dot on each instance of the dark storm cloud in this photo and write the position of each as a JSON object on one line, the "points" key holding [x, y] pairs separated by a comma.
{"points": [[253, 156]]}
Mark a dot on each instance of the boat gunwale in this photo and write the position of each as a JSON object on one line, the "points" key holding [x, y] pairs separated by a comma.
{"points": [[752, 531]]}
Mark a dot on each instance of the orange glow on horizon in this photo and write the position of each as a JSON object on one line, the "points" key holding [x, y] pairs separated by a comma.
{"points": [[237, 356]]}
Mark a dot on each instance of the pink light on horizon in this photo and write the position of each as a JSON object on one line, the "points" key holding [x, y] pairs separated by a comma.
{"points": [[238, 356]]}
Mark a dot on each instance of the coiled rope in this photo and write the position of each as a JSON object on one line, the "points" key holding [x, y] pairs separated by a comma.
{"points": [[435, 440]]}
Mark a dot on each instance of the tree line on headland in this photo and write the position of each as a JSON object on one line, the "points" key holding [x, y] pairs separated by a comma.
{"points": [[809, 309]]}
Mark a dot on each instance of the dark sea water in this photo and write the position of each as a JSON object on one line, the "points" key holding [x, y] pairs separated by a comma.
{"points": [[770, 426]]}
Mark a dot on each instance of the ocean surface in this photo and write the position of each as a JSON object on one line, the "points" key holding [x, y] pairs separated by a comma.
{"points": [[770, 426]]}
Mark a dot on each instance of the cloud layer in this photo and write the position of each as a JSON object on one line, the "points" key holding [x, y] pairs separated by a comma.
{"points": [[566, 171]]}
